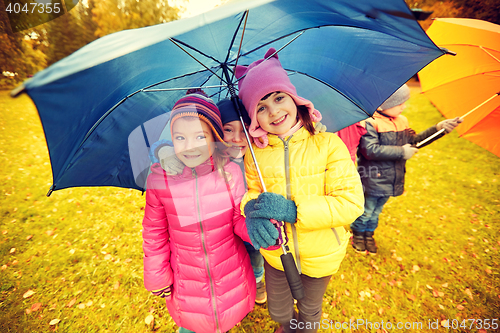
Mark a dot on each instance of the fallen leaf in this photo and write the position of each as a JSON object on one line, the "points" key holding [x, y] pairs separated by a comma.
{"points": [[377, 297], [29, 293], [344, 312], [444, 285], [460, 307], [29, 237], [4, 232], [341, 276], [469, 293], [81, 306], [150, 320], [71, 303], [12, 250], [416, 268], [380, 311], [441, 307], [35, 307], [411, 297], [347, 293], [429, 287], [54, 322], [440, 294], [487, 270], [108, 257], [325, 315], [116, 285], [49, 232], [89, 303], [445, 323]]}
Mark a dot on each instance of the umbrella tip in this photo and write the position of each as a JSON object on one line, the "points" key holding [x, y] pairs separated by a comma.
{"points": [[17, 91], [446, 51]]}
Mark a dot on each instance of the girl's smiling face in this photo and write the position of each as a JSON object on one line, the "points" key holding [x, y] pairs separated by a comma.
{"points": [[234, 134], [277, 113], [193, 141]]}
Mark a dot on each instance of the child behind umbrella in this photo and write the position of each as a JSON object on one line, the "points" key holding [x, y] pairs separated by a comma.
{"points": [[383, 152], [194, 255]]}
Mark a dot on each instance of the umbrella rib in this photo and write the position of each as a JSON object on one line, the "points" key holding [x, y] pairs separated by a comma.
{"points": [[281, 48], [332, 87], [234, 37], [186, 88], [189, 54], [491, 55], [241, 42]]}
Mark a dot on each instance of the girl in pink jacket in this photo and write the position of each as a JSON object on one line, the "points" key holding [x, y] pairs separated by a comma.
{"points": [[194, 255]]}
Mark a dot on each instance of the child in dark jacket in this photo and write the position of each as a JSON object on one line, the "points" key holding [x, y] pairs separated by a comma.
{"points": [[382, 155]]}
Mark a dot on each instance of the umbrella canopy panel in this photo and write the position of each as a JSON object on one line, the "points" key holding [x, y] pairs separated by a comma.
{"points": [[350, 57], [457, 84]]}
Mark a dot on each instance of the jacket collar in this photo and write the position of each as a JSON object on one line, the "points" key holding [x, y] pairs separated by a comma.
{"points": [[202, 169], [300, 135], [379, 114]]}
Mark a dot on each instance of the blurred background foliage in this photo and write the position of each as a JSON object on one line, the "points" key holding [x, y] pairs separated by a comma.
{"points": [[24, 53]]}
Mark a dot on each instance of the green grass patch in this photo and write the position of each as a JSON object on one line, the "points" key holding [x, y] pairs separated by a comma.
{"points": [[80, 250]]}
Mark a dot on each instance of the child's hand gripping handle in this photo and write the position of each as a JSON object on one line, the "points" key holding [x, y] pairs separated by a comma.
{"points": [[271, 211]]}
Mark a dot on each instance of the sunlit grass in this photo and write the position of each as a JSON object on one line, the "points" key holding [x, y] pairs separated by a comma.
{"points": [[80, 250]]}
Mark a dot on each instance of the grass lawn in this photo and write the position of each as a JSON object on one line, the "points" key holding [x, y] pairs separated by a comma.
{"points": [[72, 262]]}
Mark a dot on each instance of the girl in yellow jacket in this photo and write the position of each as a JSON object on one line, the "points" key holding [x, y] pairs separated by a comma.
{"points": [[312, 185]]}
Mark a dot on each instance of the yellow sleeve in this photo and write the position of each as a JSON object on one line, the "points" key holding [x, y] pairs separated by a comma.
{"points": [[343, 198]]}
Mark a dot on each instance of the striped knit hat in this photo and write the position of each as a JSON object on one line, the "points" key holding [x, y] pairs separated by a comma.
{"points": [[197, 104]]}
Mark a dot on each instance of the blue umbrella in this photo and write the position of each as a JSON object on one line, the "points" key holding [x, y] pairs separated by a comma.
{"points": [[102, 106]]}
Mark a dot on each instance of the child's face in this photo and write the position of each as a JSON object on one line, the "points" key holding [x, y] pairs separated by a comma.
{"points": [[193, 141], [395, 110], [234, 134], [277, 113]]}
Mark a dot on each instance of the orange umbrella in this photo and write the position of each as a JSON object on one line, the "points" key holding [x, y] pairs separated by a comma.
{"points": [[457, 84]]}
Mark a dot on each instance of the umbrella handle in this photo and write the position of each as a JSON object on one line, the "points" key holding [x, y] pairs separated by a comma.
{"points": [[292, 275], [462, 117]]}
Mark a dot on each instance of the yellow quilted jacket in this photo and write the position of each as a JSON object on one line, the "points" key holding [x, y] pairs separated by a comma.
{"points": [[315, 171]]}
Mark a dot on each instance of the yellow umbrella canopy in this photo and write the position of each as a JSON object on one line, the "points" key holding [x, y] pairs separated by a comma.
{"points": [[457, 84]]}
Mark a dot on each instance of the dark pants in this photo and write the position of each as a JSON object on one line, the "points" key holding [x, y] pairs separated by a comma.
{"points": [[280, 301], [369, 220]]}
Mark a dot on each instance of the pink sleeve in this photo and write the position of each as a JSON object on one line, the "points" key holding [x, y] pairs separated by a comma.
{"points": [[156, 244], [238, 190]]}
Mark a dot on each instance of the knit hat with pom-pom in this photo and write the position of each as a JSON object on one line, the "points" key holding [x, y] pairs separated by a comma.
{"points": [[197, 104]]}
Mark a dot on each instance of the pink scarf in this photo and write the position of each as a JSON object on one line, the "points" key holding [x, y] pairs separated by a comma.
{"points": [[292, 130]]}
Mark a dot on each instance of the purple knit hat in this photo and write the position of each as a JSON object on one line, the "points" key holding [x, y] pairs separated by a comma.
{"points": [[197, 104], [262, 77]]}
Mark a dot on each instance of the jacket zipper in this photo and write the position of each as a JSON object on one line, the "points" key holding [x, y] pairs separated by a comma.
{"points": [[289, 197], [193, 171]]}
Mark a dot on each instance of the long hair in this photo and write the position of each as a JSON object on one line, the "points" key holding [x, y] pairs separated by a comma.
{"points": [[305, 118], [220, 158]]}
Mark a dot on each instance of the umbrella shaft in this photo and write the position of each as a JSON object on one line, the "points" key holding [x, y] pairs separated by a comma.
{"points": [[462, 117]]}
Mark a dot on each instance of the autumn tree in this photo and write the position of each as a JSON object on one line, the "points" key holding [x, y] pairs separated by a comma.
{"points": [[116, 15]]}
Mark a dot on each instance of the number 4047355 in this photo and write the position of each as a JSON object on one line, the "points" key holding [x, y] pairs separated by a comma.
{"points": [[33, 7]]}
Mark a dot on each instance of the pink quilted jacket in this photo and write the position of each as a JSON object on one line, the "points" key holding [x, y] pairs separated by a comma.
{"points": [[190, 230]]}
